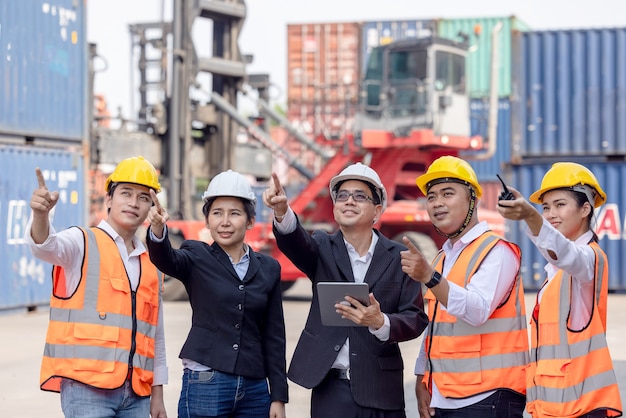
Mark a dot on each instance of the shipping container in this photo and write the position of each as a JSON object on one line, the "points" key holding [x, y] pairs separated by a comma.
{"points": [[375, 33], [486, 170], [44, 69], [328, 119], [323, 62], [24, 279], [478, 65], [570, 93], [610, 220]]}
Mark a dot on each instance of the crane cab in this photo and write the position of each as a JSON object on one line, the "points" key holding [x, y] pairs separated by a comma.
{"points": [[415, 84]]}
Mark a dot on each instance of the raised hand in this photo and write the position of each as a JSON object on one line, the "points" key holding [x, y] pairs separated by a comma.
{"points": [[42, 201], [414, 263], [517, 209], [521, 209], [275, 198], [157, 216]]}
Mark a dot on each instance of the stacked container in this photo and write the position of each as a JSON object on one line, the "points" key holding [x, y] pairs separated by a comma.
{"points": [[571, 106], [478, 69], [561, 97], [571, 93], [43, 123], [322, 76], [44, 69], [327, 60]]}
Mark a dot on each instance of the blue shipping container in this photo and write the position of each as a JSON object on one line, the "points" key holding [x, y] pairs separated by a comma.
{"points": [[570, 90], [24, 279], [610, 221], [376, 33], [44, 69], [486, 170]]}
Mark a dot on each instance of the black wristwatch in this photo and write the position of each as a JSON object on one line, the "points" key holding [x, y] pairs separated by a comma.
{"points": [[434, 280]]}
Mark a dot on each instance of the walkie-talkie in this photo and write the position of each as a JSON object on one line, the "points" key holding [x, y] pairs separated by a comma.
{"points": [[506, 193]]}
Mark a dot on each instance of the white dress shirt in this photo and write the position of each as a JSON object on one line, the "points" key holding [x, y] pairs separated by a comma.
{"points": [[489, 286], [576, 258], [360, 265], [66, 249]]}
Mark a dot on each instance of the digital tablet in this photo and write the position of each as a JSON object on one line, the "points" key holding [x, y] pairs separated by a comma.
{"points": [[331, 293]]}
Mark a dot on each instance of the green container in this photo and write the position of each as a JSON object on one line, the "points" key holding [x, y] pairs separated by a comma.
{"points": [[478, 65]]}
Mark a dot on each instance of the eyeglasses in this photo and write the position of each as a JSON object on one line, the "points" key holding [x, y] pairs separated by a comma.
{"points": [[360, 197]]}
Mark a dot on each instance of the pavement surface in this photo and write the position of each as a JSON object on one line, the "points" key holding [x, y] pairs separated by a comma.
{"points": [[22, 337]]}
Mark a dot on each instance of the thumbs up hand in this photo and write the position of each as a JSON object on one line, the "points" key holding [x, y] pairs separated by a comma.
{"points": [[414, 263]]}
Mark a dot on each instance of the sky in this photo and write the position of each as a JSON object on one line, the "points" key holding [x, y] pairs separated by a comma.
{"points": [[264, 32]]}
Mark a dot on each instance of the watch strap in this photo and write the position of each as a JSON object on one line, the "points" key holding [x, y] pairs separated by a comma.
{"points": [[434, 280]]}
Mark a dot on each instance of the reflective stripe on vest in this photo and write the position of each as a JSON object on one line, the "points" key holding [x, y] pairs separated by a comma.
{"points": [[571, 372], [466, 360], [87, 339]]}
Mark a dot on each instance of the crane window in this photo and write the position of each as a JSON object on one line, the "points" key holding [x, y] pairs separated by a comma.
{"points": [[407, 65], [450, 71]]}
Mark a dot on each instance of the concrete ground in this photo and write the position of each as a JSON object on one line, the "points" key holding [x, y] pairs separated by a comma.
{"points": [[22, 337]]}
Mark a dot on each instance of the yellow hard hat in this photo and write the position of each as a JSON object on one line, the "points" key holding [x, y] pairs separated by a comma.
{"points": [[136, 170], [448, 168], [570, 176]]}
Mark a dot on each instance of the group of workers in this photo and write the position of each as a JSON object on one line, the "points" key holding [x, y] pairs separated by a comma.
{"points": [[105, 346]]}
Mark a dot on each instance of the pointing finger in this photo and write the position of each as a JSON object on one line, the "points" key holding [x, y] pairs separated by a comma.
{"points": [[277, 186], [40, 180], [156, 202], [409, 244]]}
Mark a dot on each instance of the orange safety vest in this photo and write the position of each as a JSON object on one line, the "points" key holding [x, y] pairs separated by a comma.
{"points": [[571, 372], [466, 360], [104, 332]]}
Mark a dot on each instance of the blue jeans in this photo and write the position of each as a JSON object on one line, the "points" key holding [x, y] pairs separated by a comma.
{"points": [[82, 401], [502, 404], [217, 394]]}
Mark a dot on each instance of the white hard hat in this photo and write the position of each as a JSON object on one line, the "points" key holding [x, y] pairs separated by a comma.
{"points": [[229, 183], [364, 173]]}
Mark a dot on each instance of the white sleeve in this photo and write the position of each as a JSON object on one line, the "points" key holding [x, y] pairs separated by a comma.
{"points": [[489, 286], [65, 248], [420, 362], [565, 254], [288, 224]]}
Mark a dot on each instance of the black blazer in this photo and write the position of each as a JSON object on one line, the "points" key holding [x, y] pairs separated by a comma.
{"points": [[376, 367], [237, 326]]}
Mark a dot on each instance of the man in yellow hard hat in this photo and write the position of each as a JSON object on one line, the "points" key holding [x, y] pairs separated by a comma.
{"points": [[474, 353], [105, 346]]}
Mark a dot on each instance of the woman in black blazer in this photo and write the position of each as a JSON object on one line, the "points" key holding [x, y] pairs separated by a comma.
{"points": [[236, 345]]}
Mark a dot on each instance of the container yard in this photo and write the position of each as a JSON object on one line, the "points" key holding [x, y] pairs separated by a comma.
{"points": [[559, 112], [545, 112], [395, 94]]}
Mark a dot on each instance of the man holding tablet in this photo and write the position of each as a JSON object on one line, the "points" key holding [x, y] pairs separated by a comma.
{"points": [[354, 371]]}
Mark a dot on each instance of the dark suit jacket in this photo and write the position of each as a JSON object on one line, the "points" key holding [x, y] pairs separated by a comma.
{"points": [[237, 326], [376, 367]]}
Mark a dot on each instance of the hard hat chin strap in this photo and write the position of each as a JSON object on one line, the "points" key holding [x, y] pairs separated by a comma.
{"points": [[468, 217]]}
